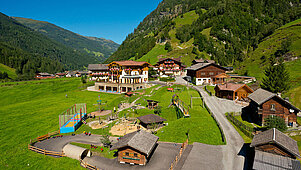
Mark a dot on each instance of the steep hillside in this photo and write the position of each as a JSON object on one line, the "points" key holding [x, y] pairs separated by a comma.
{"points": [[99, 47], [288, 37], [226, 31], [10, 71], [29, 51]]}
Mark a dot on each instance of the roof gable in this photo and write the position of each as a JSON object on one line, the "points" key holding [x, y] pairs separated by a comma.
{"points": [[139, 140], [199, 66], [130, 63], [98, 67], [151, 118], [275, 136]]}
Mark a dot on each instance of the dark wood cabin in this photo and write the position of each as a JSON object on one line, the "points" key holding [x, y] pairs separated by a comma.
{"points": [[264, 104], [233, 91], [276, 142], [204, 72], [148, 121], [275, 150], [152, 104], [136, 147]]}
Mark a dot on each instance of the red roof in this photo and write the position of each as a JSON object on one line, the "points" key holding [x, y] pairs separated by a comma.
{"points": [[131, 63], [230, 86]]}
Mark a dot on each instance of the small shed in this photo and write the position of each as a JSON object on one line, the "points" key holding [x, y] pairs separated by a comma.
{"points": [[76, 152], [152, 104], [136, 147], [233, 91], [148, 120]]}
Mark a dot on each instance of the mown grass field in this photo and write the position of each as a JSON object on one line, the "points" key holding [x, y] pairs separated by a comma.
{"points": [[10, 71], [152, 56], [30, 109]]}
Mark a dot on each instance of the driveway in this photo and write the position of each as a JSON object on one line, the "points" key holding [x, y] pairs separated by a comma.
{"points": [[226, 156]]}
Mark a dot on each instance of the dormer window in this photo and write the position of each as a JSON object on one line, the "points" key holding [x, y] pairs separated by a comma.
{"points": [[273, 107]]}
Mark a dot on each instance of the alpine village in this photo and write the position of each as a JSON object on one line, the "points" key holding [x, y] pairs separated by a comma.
{"points": [[197, 85]]}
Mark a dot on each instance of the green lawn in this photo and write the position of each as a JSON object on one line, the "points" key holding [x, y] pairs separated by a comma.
{"points": [[202, 128], [188, 18], [97, 151], [29, 109], [10, 71], [211, 89]]}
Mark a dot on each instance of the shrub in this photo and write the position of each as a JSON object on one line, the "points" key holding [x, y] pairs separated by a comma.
{"points": [[275, 122]]}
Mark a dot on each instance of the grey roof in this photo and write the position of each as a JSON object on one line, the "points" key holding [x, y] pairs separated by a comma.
{"points": [[202, 65], [269, 161], [275, 136], [45, 74], [151, 118], [92, 67], [139, 140], [260, 96]]}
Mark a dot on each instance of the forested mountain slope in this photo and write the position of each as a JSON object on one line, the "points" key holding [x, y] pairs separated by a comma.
{"points": [[226, 31], [99, 47], [29, 52]]}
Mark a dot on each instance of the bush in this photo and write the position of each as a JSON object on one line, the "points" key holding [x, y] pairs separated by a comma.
{"points": [[275, 122]]}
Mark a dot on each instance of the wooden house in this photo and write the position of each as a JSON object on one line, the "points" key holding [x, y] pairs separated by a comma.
{"points": [[44, 76], [148, 121], [99, 72], [233, 91], [170, 66], [264, 104], [204, 73], [275, 150], [60, 75], [136, 147]]}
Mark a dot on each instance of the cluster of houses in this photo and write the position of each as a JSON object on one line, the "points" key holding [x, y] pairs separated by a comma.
{"points": [[60, 75]]}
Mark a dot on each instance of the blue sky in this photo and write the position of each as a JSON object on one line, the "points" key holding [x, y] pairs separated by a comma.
{"points": [[111, 19]]}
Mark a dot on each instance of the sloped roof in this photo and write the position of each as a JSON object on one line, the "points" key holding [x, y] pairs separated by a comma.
{"points": [[232, 87], [131, 63], [275, 136], [269, 161], [260, 96], [202, 65], [175, 59], [92, 67], [151, 118], [139, 140], [44, 74]]}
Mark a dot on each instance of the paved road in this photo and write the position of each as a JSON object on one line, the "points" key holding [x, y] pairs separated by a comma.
{"points": [[229, 152]]}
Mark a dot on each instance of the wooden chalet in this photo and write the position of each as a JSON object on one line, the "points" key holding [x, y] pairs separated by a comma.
{"points": [[205, 73], [264, 103], [60, 75], [148, 121], [152, 104], [44, 76], [201, 60], [275, 150], [170, 66], [233, 91], [136, 147], [98, 72]]}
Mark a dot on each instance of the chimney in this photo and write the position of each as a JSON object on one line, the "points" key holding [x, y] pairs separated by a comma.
{"points": [[279, 94]]}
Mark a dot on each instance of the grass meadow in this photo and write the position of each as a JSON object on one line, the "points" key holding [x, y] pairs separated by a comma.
{"points": [[30, 109]]}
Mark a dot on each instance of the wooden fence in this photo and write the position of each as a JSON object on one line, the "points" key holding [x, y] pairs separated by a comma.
{"points": [[88, 166], [248, 131], [178, 157], [45, 152]]}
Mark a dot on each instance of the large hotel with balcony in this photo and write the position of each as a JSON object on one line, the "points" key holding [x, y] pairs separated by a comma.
{"points": [[170, 67], [119, 76]]}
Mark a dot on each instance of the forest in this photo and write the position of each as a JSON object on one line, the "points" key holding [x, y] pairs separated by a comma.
{"points": [[239, 25]]}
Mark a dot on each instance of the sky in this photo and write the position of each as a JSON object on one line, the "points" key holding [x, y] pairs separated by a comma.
{"points": [[110, 19]]}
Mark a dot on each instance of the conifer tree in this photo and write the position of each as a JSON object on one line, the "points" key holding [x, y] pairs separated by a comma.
{"points": [[276, 78]]}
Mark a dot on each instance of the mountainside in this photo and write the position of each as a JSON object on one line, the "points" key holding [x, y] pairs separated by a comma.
{"points": [[98, 47], [226, 31]]}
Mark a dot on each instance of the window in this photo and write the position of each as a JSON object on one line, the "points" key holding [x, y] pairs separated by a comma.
{"points": [[203, 73], [135, 155], [273, 107], [211, 73], [127, 154]]}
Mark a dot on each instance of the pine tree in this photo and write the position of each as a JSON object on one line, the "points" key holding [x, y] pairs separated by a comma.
{"points": [[276, 78], [168, 46]]}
